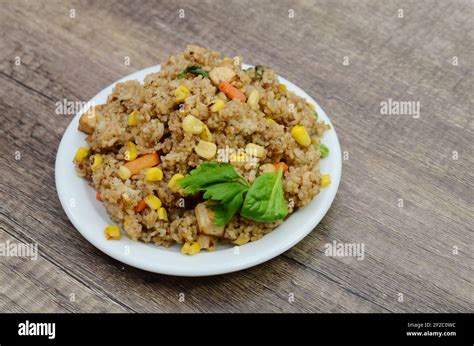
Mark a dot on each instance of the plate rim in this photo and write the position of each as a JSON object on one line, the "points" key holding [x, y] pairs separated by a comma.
{"points": [[252, 259]]}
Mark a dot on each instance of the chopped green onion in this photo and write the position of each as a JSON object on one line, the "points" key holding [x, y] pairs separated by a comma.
{"points": [[324, 150]]}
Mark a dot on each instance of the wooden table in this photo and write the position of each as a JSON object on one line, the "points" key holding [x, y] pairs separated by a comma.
{"points": [[407, 185]]}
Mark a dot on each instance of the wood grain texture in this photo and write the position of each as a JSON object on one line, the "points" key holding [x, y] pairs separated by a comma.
{"points": [[408, 250]]}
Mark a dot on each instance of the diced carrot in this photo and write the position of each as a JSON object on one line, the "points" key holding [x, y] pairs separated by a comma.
{"points": [[283, 165], [142, 162], [140, 206], [98, 196], [232, 91]]}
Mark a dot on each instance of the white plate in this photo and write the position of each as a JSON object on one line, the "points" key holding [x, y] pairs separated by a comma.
{"points": [[90, 218]]}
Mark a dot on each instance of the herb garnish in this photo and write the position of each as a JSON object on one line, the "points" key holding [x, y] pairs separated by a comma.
{"points": [[315, 114], [228, 192], [265, 201], [195, 69], [259, 71], [230, 197], [323, 150], [222, 185]]}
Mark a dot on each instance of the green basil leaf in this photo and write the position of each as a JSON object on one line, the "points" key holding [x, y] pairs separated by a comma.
{"points": [[223, 212], [225, 191], [207, 174], [265, 200]]}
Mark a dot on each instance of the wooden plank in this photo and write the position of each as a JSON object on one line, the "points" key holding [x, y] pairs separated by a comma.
{"points": [[35, 284]]}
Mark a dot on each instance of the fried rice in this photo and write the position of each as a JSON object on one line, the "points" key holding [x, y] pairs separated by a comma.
{"points": [[157, 127]]}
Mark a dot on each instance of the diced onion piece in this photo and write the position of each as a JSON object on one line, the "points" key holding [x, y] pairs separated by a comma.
{"points": [[242, 239], [207, 242], [253, 99], [315, 140]]}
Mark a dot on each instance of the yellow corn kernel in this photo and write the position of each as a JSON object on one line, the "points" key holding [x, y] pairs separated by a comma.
{"points": [[270, 120], [82, 153], [315, 140], [162, 214], [181, 93], [206, 150], [191, 248], [133, 119], [242, 239], [255, 150], [238, 157], [282, 87], [300, 134], [313, 107], [325, 180], [132, 152], [183, 89], [153, 202], [154, 174], [97, 162], [112, 232], [206, 134], [253, 99], [173, 184], [218, 105], [124, 173], [268, 168], [192, 124]]}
